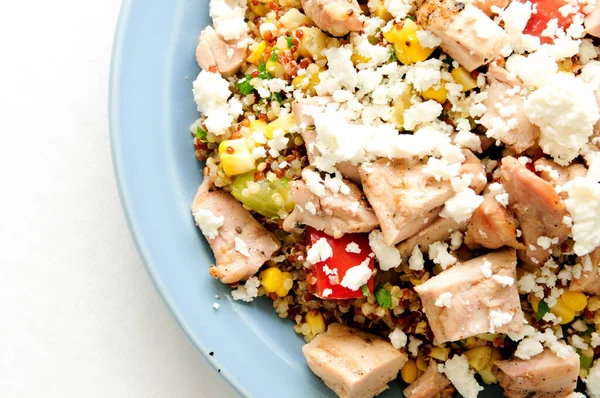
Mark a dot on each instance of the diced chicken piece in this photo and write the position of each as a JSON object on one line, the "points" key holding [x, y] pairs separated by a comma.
{"points": [[468, 35], [486, 5], [492, 226], [429, 384], [438, 231], [589, 282], [214, 51], [597, 125], [505, 119], [592, 22], [303, 111], [404, 201], [501, 75], [556, 174], [539, 210], [233, 265], [335, 215], [354, 364], [543, 376], [338, 17], [478, 304]]}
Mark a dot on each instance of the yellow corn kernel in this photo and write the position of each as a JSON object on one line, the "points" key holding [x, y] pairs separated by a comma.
{"points": [[401, 104], [422, 363], [286, 285], [359, 59], [487, 336], [409, 372], [392, 35], [316, 322], [312, 43], [261, 8], [437, 94], [479, 357], [407, 47], [560, 309], [258, 126], [255, 55], [293, 18], [236, 157], [380, 11], [593, 303], [271, 279], [463, 77], [496, 354], [275, 69], [285, 123], [440, 353], [487, 376], [534, 301], [471, 342], [576, 301]]}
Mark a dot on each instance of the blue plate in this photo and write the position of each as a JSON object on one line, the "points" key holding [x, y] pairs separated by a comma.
{"points": [[151, 109]]}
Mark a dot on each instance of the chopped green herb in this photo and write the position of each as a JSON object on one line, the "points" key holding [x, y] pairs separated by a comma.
{"points": [[244, 85], [585, 362], [447, 59], [410, 17], [543, 309], [201, 134], [273, 56], [290, 42], [284, 181], [394, 57], [365, 290], [277, 97], [373, 40], [591, 329], [462, 342], [384, 298], [263, 73]]}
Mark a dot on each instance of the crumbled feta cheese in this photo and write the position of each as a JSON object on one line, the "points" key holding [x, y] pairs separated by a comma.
{"points": [[352, 247], [583, 204], [416, 261], [259, 152], [278, 142], [340, 73], [327, 293], [387, 256], [247, 291], [528, 347], [313, 182], [426, 74], [310, 207], [578, 342], [462, 377], [413, 346], [438, 253], [398, 338], [486, 269], [216, 306], [209, 223], [444, 300], [462, 205], [428, 39], [318, 252], [595, 341], [440, 169], [424, 112], [211, 92], [592, 381], [504, 280], [228, 18], [241, 247], [456, 240], [498, 319], [566, 111], [544, 242], [357, 276], [399, 8]]}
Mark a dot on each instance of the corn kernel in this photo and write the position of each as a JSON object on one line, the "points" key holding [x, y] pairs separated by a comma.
{"points": [[284, 123], [258, 126], [275, 69], [401, 104], [236, 157], [479, 357], [407, 47], [440, 353], [255, 55], [286, 285], [463, 77], [487, 375], [381, 12], [260, 8], [534, 301], [576, 301], [437, 94], [471, 342], [359, 59], [271, 279], [560, 309], [313, 42], [392, 35], [409, 372], [422, 363], [594, 303], [316, 322]]}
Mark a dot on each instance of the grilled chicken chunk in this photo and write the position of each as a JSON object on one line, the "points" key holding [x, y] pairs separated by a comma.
{"points": [[438, 231], [214, 51], [354, 364], [589, 282], [543, 376], [556, 174], [492, 226], [539, 210], [460, 27], [237, 225], [478, 304], [404, 201], [335, 215], [338, 17], [486, 5], [501, 109], [592, 22], [429, 384]]}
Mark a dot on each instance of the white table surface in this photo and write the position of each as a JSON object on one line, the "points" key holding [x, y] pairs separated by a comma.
{"points": [[79, 314]]}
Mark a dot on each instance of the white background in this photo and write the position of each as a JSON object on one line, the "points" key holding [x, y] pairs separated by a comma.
{"points": [[79, 316]]}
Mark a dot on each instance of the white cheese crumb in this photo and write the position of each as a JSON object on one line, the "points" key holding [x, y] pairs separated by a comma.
{"points": [[438, 253], [462, 205], [398, 8], [413, 346], [428, 39], [498, 319], [327, 293], [528, 347], [353, 247], [388, 257], [583, 204], [416, 261], [318, 252], [278, 142], [504, 280], [211, 92], [486, 269], [444, 300], [544, 242], [456, 240], [357, 276], [216, 306], [462, 377], [595, 341], [209, 223], [424, 112], [592, 381], [241, 246], [398, 338], [248, 291], [310, 207], [313, 182]]}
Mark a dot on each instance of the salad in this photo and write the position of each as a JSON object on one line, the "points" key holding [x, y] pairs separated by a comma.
{"points": [[413, 183]]}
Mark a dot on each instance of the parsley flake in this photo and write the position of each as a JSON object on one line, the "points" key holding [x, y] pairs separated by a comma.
{"points": [[543, 309], [365, 290], [384, 298], [245, 86]]}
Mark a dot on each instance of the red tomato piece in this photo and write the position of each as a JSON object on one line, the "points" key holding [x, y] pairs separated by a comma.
{"points": [[546, 11], [342, 261]]}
